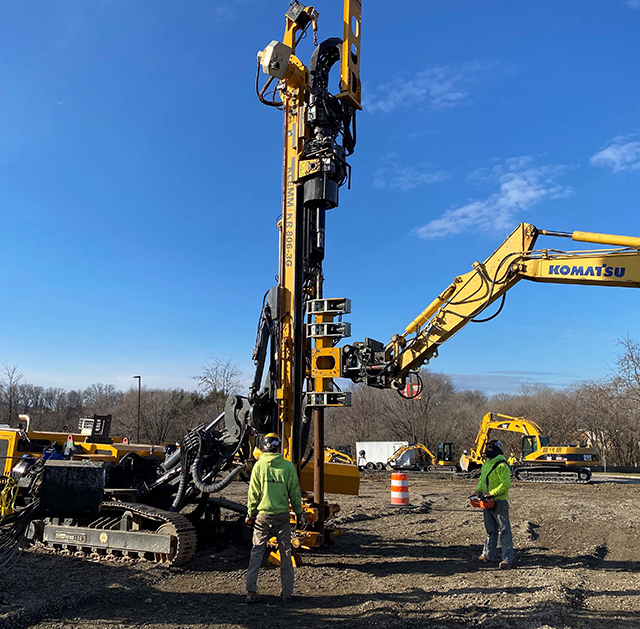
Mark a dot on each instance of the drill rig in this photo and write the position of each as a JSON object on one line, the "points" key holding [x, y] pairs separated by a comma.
{"points": [[92, 494], [319, 133]]}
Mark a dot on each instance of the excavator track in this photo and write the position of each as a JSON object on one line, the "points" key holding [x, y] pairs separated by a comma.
{"points": [[551, 474], [122, 532]]}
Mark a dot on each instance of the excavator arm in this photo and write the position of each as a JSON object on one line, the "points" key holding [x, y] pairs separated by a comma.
{"points": [[497, 421], [414, 446], [388, 366]]}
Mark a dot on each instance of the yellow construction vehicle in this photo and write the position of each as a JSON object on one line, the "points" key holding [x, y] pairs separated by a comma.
{"points": [[540, 462], [444, 461], [92, 442], [336, 456], [298, 321]]}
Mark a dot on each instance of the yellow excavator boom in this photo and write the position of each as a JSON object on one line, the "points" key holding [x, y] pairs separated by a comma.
{"points": [[497, 421], [389, 366], [408, 448]]}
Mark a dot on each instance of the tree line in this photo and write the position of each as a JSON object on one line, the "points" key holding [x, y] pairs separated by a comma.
{"points": [[605, 412], [165, 414]]}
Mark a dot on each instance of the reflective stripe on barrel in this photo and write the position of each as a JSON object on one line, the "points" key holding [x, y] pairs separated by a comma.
{"points": [[399, 489]]}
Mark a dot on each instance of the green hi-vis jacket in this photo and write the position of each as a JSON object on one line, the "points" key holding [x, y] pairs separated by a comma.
{"points": [[499, 479], [274, 483]]}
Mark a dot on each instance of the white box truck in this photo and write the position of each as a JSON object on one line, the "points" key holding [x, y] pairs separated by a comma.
{"points": [[375, 454]]}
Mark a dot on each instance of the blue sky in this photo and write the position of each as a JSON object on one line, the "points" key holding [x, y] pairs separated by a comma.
{"points": [[140, 180]]}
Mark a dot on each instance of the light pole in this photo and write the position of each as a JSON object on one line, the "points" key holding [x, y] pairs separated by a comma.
{"points": [[138, 420]]}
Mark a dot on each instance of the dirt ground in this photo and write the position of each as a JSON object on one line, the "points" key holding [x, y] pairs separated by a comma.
{"points": [[577, 565]]}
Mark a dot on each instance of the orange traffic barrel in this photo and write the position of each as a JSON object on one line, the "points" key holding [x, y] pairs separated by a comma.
{"points": [[399, 490]]}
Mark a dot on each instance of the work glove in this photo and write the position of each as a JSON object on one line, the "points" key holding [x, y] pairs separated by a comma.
{"points": [[302, 520], [487, 495], [477, 494], [250, 520]]}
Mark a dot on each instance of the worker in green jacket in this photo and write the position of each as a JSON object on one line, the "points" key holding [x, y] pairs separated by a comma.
{"points": [[494, 482], [273, 486]]}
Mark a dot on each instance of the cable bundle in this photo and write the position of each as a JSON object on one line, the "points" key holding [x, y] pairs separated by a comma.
{"points": [[14, 523]]}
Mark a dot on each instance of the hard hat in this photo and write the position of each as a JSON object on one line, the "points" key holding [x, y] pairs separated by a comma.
{"points": [[271, 442]]}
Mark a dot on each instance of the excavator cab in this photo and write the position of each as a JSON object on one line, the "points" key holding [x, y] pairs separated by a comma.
{"points": [[446, 454], [533, 443]]}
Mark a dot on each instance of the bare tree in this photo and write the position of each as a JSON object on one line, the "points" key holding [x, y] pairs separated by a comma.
{"points": [[29, 397], [164, 412], [219, 377], [60, 408], [628, 366], [364, 420], [463, 414], [100, 398], [420, 419], [11, 378]]}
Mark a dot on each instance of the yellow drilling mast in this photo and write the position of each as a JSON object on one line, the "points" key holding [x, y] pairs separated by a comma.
{"points": [[319, 134]]}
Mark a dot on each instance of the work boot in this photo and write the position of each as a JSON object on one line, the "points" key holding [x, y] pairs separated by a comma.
{"points": [[504, 565], [252, 597], [286, 598], [482, 559]]}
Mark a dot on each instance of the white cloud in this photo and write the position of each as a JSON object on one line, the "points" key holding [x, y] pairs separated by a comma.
{"points": [[391, 175], [521, 186], [441, 88], [620, 155], [634, 4]]}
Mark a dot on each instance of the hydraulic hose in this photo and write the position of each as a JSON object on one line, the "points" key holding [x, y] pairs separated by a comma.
{"points": [[196, 476], [176, 505]]}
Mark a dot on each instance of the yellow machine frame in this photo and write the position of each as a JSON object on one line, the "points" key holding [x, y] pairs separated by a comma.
{"points": [[19, 442], [306, 365]]}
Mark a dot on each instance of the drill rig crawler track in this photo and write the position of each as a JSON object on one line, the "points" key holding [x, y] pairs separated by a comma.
{"points": [[122, 531]]}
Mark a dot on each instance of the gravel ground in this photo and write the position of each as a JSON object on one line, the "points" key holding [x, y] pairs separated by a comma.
{"points": [[577, 565]]}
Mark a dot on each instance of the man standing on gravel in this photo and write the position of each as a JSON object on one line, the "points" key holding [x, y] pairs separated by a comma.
{"points": [[273, 485], [494, 482]]}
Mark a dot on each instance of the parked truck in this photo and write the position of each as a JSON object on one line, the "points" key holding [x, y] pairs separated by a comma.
{"points": [[373, 455]]}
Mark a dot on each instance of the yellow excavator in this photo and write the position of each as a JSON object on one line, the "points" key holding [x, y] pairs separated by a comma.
{"points": [[540, 461], [396, 364], [444, 461], [331, 455]]}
